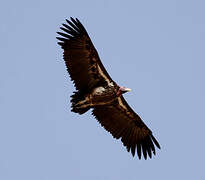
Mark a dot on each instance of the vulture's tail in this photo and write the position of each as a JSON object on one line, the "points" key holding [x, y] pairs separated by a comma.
{"points": [[79, 104]]}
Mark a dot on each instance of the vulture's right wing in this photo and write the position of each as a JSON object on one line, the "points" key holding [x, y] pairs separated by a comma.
{"points": [[122, 122]]}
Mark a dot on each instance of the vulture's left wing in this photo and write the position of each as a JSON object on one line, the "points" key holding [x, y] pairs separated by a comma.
{"points": [[122, 122], [81, 58]]}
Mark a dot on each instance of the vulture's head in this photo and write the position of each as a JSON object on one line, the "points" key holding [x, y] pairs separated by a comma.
{"points": [[122, 90]]}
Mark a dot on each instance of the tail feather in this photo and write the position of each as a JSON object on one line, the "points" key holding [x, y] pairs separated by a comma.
{"points": [[80, 110], [75, 99]]}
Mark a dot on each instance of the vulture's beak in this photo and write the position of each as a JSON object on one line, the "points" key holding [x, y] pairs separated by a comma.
{"points": [[127, 89], [124, 89]]}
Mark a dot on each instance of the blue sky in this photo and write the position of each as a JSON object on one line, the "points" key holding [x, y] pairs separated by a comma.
{"points": [[154, 47]]}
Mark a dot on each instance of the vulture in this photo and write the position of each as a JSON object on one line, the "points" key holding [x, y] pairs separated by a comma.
{"points": [[96, 90]]}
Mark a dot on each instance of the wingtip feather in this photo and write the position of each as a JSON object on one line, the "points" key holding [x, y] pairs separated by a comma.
{"points": [[155, 141]]}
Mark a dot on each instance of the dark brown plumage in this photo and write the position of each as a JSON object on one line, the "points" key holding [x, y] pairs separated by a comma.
{"points": [[97, 91]]}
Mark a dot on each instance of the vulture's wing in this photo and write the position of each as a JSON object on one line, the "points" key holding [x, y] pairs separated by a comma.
{"points": [[122, 122], [81, 57]]}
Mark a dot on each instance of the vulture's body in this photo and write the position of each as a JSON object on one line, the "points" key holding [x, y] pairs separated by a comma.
{"points": [[97, 91]]}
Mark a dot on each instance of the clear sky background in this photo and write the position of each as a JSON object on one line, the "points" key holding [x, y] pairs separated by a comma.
{"points": [[157, 48]]}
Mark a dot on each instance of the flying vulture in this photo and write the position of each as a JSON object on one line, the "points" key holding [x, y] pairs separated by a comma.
{"points": [[96, 90]]}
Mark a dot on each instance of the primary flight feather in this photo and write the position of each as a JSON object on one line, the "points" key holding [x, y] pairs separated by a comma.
{"points": [[96, 90]]}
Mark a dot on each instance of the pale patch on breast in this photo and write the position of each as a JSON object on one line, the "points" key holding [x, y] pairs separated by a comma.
{"points": [[99, 90], [104, 76]]}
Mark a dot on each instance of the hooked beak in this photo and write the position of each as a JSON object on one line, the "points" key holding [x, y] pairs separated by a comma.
{"points": [[127, 89], [123, 90]]}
